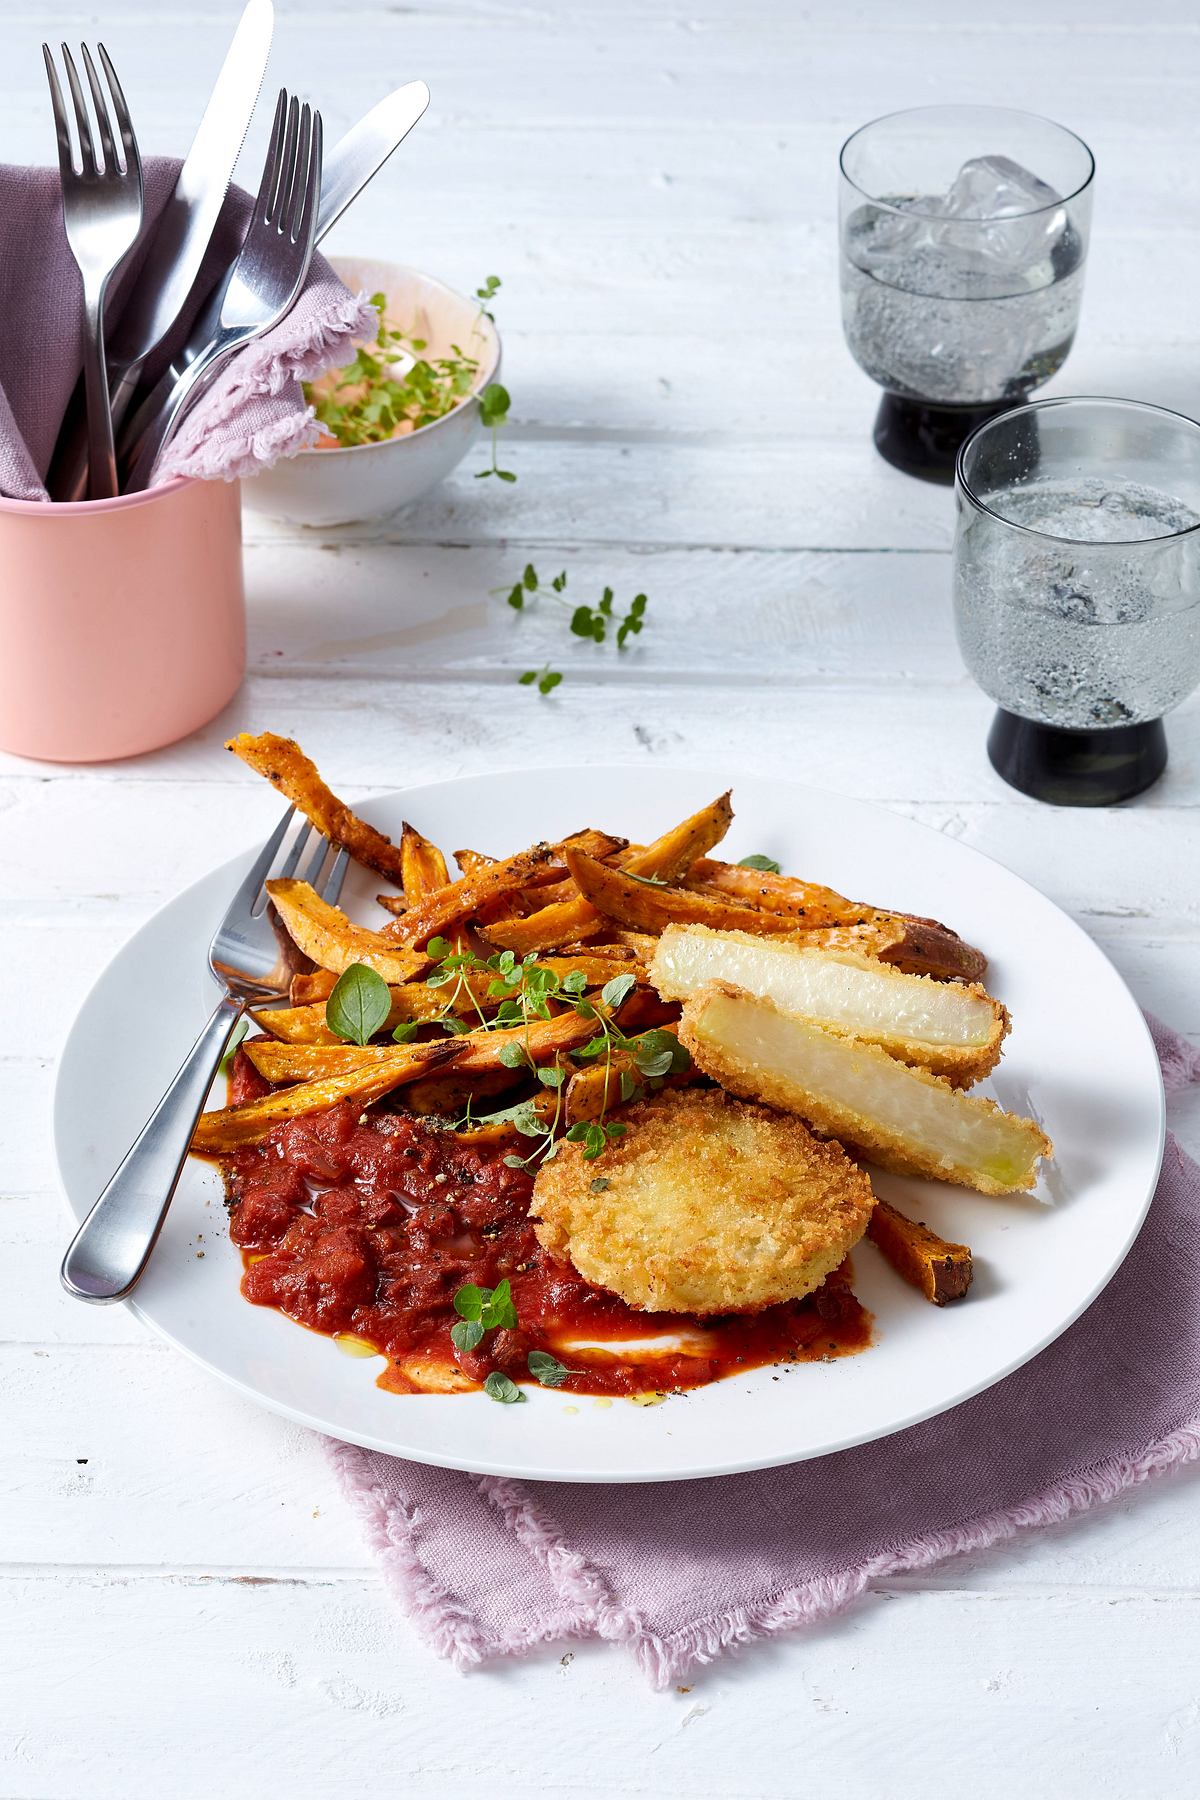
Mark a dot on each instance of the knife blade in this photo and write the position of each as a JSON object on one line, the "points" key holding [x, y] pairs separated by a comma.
{"points": [[356, 158], [185, 227], [181, 238]]}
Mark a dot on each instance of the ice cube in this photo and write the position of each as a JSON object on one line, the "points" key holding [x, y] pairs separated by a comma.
{"points": [[995, 187], [1011, 219]]}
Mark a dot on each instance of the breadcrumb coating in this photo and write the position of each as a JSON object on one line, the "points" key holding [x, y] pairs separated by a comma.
{"points": [[901, 1118], [706, 1205]]}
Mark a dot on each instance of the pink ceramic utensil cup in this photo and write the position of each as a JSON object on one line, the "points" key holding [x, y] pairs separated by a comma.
{"points": [[122, 622]]}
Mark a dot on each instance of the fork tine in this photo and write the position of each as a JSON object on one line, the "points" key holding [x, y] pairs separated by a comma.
{"points": [[107, 143], [251, 888], [313, 871], [299, 845], [87, 150], [287, 163], [62, 133], [289, 203], [305, 214], [332, 890], [121, 110], [270, 174]]}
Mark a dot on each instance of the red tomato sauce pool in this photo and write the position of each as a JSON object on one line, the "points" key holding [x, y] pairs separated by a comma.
{"points": [[367, 1230]]}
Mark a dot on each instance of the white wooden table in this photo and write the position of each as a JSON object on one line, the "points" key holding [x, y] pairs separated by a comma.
{"points": [[186, 1607]]}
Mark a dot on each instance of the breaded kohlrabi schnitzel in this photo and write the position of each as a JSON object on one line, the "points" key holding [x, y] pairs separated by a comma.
{"points": [[706, 1205]]}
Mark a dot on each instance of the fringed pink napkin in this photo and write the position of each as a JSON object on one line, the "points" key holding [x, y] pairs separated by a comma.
{"points": [[682, 1572], [255, 412]]}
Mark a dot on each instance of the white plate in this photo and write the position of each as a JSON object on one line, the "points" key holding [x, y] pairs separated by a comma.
{"points": [[1080, 1056]]}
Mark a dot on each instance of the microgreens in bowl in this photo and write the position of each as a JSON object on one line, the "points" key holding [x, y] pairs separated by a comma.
{"points": [[392, 387]]}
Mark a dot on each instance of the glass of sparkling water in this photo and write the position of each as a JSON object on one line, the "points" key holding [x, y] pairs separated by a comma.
{"points": [[964, 235], [1077, 590]]}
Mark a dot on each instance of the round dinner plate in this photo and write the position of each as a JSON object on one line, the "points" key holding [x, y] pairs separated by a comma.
{"points": [[1080, 1059]]}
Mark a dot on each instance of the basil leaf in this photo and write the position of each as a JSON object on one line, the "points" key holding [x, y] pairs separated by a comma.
{"points": [[547, 1369], [499, 1387], [405, 1032], [466, 1334], [359, 1004], [600, 1185], [767, 864]]}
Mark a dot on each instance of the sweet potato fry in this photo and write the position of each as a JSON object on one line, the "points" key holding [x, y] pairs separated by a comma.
{"points": [[574, 920], [940, 1270], [447, 1096], [474, 1053], [287, 768], [422, 864], [315, 986], [437, 912], [597, 1090], [807, 900], [312, 1062], [670, 855], [567, 922], [298, 1024], [473, 862], [325, 934], [642, 906], [501, 1134], [234, 1126], [918, 946]]}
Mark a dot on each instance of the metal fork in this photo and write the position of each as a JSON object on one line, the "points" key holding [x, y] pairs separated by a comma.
{"points": [[102, 213], [261, 288], [248, 958]]}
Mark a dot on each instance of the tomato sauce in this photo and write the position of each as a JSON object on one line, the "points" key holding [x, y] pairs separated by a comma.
{"points": [[365, 1227]]}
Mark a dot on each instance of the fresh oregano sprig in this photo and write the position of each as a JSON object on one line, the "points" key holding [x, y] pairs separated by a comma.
{"points": [[592, 623], [525, 989]]}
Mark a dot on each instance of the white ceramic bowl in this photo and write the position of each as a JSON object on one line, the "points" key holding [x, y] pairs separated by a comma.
{"points": [[369, 481]]}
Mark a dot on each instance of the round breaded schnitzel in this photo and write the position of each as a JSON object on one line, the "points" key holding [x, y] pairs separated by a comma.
{"points": [[706, 1205]]}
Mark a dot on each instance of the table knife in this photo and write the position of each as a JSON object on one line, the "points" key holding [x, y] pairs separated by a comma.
{"points": [[354, 161], [181, 238]]}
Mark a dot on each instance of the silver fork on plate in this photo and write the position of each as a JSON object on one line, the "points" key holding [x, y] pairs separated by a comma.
{"points": [[102, 213], [247, 956], [261, 288]]}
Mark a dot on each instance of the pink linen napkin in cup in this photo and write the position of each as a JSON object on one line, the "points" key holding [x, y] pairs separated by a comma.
{"points": [[681, 1572], [254, 413]]}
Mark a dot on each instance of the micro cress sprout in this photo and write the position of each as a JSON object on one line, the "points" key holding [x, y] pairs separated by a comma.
{"points": [[391, 388]]}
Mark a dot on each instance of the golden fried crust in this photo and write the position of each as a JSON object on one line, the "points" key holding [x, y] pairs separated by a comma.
{"points": [[902, 1118], [706, 1205]]}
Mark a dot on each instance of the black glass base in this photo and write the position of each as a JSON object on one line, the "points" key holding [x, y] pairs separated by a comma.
{"points": [[1077, 768], [924, 439]]}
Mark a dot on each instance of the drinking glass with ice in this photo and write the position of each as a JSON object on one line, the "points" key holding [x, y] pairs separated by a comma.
{"points": [[1077, 590], [963, 245]]}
